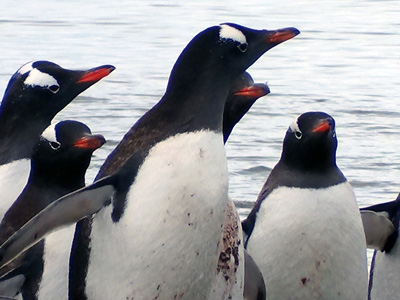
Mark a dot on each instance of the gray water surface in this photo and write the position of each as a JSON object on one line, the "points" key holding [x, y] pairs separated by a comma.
{"points": [[345, 62]]}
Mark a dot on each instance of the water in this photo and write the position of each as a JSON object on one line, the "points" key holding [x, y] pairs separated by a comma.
{"points": [[345, 62]]}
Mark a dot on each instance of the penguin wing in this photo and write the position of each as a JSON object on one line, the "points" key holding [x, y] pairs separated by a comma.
{"points": [[391, 210], [254, 285], [63, 212], [377, 229], [249, 223], [11, 286]]}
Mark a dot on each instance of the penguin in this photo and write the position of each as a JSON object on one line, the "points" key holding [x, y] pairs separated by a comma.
{"points": [[158, 219], [383, 284], [34, 95], [243, 93], [305, 231], [58, 165]]}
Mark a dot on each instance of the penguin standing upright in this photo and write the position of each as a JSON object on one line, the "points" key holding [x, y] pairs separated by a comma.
{"points": [[243, 93], [34, 95], [158, 226], [58, 166], [305, 230]]}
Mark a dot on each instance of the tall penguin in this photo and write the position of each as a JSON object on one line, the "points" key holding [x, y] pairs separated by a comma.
{"points": [[243, 93], [305, 231], [58, 166], [34, 95], [159, 234]]}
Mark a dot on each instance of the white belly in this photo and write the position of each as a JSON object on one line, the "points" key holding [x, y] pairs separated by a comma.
{"points": [[54, 283], [310, 244], [166, 245], [385, 284], [13, 178]]}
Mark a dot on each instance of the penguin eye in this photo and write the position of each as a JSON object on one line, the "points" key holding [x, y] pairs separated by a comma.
{"points": [[54, 88], [242, 47], [55, 145], [298, 134]]}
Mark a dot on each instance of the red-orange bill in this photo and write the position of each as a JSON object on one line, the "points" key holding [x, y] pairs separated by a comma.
{"points": [[96, 74], [90, 142]]}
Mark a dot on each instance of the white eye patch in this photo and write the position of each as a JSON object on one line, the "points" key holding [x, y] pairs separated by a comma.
{"points": [[25, 68], [50, 133], [37, 78], [230, 33], [294, 126]]}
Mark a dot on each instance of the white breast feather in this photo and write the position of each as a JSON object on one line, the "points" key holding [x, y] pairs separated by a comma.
{"points": [[56, 261], [310, 243], [385, 283], [13, 178], [166, 244]]}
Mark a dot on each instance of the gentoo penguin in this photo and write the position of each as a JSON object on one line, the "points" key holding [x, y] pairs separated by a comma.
{"points": [[384, 271], [158, 226], [305, 231], [58, 166], [34, 95], [243, 93]]}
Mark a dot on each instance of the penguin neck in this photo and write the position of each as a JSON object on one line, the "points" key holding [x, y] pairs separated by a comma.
{"points": [[289, 175], [18, 135], [198, 101], [64, 179]]}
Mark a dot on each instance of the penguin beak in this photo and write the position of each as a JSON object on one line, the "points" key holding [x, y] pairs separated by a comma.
{"points": [[95, 74], [324, 126], [281, 35], [91, 142], [254, 91]]}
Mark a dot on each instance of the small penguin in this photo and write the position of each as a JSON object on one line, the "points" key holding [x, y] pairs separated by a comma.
{"points": [[58, 166], [305, 231]]}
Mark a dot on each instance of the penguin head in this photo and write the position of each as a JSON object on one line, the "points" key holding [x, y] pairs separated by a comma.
{"points": [[224, 52], [310, 143], [242, 95], [41, 89], [65, 149]]}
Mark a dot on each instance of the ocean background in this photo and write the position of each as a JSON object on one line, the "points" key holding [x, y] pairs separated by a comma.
{"points": [[345, 62]]}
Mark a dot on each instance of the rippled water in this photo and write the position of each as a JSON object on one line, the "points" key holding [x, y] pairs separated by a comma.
{"points": [[345, 62]]}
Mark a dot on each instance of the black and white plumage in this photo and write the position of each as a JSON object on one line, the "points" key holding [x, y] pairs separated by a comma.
{"points": [[169, 183], [381, 224], [34, 95], [305, 230], [58, 166]]}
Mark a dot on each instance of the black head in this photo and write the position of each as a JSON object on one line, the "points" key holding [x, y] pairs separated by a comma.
{"points": [[64, 151], [242, 95], [204, 72], [226, 50], [310, 143], [40, 89]]}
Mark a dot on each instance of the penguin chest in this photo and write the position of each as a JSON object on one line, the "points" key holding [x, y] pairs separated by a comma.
{"points": [[310, 244], [13, 178], [384, 274], [166, 244]]}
